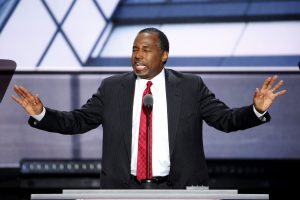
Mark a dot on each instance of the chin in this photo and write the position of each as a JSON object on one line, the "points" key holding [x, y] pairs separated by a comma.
{"points": [[140, 73]]}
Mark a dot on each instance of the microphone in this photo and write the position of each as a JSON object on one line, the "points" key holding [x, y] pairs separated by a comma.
{"points": [[148, 101]]}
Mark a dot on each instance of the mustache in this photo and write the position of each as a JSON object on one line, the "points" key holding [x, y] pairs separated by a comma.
{"points": [[138, 62]]}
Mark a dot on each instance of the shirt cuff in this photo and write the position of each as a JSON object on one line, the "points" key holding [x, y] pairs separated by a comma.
{"points": [[258, 114], [40, 116]]}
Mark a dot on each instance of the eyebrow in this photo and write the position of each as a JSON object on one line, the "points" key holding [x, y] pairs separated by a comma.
{"points": [[143, 46]]}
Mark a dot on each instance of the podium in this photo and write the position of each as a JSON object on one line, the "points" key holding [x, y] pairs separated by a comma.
{"points": [[199, 194], [7, 70]]}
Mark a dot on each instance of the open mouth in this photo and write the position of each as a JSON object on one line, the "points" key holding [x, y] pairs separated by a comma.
{"points": [[139, 65]]}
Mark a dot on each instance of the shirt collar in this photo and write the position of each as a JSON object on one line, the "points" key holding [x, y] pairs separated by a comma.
{"points": [[157, 80]]}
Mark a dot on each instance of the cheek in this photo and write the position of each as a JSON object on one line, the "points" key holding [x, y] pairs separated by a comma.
{"points": [[153, 59]]}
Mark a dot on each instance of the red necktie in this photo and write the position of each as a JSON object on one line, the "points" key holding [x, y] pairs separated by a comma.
{"points": [[141, 172]]}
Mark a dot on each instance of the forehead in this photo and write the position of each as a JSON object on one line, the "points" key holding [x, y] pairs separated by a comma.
{"points": [[146, 39]]}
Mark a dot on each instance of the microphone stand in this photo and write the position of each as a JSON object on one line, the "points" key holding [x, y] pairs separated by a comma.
{"points": [[149, 108]]}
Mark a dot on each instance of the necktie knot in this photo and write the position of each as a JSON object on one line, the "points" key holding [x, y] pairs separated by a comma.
{"points": [[149, 83], [147, 90]]}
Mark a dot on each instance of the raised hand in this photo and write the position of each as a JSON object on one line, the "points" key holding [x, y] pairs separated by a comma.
{"points": [[31, 103], [265, 96]]}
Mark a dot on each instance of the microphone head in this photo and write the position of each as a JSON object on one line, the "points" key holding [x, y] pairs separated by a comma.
{"points": [[148, 101]]}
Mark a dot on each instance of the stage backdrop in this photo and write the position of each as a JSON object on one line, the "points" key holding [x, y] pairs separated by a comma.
{"points": [[278, 139]]}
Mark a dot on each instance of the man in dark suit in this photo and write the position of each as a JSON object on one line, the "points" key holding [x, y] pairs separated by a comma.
{"points": [[181, 103]]}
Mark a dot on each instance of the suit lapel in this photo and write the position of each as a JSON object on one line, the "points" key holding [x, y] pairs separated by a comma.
{"points": [[126, 96], [174, 92]]}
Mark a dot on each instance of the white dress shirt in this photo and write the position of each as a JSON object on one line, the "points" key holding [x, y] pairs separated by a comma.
{"points": [[160, 138]]}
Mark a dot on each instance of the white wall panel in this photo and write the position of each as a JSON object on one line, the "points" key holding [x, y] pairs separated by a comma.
{"points": [[59, 54], [83, 26], [103, 40], [270, 38], [108, 7], [202, 39], [27, 34], [59, 8]]}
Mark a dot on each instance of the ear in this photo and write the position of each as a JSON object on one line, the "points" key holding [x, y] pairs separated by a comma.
{"points": [[164, 56]]}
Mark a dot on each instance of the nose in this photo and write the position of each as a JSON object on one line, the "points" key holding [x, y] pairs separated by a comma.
{"points": [[138, 54]]}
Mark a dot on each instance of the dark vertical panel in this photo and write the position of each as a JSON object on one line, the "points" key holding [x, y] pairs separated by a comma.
{"points": [[75, 96]]}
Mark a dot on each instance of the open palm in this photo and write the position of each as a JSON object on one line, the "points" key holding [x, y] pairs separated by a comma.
{"points": [[265, 96], [31, 103]]}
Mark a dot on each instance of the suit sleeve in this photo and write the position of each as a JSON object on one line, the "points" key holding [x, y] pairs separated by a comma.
{"points": [[88, 117], [215, 113]]}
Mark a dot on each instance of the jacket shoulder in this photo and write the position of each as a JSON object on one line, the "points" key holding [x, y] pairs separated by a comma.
{"points": [[173, 74], [119, 78]]}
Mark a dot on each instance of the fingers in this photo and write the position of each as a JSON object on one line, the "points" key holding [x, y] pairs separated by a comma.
{"points": [[22, 92], [26, 92], [17, 100], [280, 93], [272, 80], [19, 92], [22, 102], [25, 96], [266, 83], [37, 99], [257, 93], [269, 82], [277, 85]]}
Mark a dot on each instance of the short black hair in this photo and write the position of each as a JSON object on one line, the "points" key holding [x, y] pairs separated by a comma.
{"points": [[164, 42]]}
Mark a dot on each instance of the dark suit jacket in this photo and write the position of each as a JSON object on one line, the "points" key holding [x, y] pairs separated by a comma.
{"points": [[189, 102]]}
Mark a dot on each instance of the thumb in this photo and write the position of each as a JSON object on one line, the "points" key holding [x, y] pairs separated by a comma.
{"points": [[37, 99], [256, 94]]}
